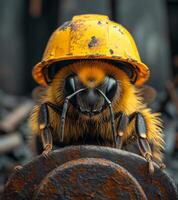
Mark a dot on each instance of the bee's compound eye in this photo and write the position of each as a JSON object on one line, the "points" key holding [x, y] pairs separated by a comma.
{"points": [[70, 85], [111, 87]]}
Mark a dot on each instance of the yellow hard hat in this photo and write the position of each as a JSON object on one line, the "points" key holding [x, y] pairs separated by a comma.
{"points": [[91, 37]]}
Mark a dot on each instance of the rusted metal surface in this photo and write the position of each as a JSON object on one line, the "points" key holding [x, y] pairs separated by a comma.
{"points": [[27, 182], [90, 178]]}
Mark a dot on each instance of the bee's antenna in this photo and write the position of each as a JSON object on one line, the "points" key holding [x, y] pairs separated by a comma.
{"points": [[64, 111], [111, 114]]}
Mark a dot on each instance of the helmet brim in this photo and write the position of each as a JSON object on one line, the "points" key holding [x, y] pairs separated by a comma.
{"points": [[141, 69]]}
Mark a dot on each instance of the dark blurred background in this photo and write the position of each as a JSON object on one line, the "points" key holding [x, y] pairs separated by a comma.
{"points": [[25, 29]]}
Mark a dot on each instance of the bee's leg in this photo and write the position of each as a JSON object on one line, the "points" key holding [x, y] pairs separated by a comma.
{"points": [[161, 165], [121, 127], [143, 144], [45, 129]]}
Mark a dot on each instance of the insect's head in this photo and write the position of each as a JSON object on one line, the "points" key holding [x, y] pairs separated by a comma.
{"points": [[100, 79], [96, 81]]}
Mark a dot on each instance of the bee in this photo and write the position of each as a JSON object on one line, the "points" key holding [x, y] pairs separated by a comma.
{"points": [[94, 98], [94, 102]]}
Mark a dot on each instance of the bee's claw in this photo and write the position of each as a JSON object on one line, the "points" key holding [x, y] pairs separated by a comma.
{"points": [[148, 157], [47, 150], [45, 154], [162, 166], [18, 168], [151, 167], [119, 142]]}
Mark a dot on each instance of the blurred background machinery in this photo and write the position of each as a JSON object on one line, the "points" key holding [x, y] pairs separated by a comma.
{"points": [[25, 29]]}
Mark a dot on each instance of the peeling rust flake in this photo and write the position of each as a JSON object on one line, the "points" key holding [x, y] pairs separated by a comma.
{"points": [[93, 42], [111, 51], [95, 55], [64, 26], [75, 26], [69, 54], [121, 31]]}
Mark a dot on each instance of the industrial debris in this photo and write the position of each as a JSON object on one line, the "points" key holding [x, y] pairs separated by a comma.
{"points": [[14, 134]]}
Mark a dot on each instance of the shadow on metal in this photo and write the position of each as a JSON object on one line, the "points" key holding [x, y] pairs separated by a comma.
{"points": [[89, 172]]}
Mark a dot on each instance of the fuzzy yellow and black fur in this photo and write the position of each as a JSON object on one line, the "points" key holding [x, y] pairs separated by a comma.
{"points": [[126, 100]]}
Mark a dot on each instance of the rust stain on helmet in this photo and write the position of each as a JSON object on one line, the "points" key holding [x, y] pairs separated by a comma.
{"points": [[93, 42], [111, 51]]}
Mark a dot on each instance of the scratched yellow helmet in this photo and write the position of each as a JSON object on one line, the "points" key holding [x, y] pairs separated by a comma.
{"points": [[92, 37]]}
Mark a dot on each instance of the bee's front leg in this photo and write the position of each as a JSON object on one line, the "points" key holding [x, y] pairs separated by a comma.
{"points": [[45, 129], [143, 144], [121, 127]]}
